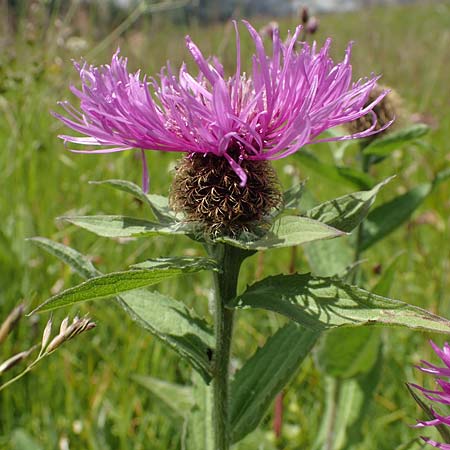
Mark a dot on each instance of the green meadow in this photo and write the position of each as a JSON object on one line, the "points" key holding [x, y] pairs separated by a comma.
{"points": [[85, 395]]}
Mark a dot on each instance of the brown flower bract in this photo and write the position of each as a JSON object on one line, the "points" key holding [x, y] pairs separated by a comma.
{"points": [[207, 190]]}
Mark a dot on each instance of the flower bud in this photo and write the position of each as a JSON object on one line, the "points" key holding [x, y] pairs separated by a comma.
{"points": [[304, 15], [312, 25], [68, 332], [14, 360], [11, 321]]}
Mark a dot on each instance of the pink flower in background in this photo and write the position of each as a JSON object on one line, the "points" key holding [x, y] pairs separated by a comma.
{"points": [[441, 395], [286, 101]]}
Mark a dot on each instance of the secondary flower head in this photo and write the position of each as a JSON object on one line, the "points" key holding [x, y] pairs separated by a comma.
{"points": [[290, 96], [388, 109], [441, 395]]}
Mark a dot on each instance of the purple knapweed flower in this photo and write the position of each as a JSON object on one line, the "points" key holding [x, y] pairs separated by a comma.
{"points": [[286, 101], [440, 395]]}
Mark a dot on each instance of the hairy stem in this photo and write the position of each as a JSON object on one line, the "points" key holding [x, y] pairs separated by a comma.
{"points": [[225, 285]]}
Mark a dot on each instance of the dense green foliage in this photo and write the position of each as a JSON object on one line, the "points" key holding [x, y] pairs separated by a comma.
{"points": [[87, 392]]}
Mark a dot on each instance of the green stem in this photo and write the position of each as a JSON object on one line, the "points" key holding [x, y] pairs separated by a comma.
{"points": [[225, 285], [23, 373], [365, 166]]}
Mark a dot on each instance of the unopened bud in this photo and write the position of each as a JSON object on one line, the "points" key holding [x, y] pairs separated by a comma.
{"points": [[312, 25], [77, 327], [46, 334], [64, 325], [304, 14], [14, 360], [11, 321]]}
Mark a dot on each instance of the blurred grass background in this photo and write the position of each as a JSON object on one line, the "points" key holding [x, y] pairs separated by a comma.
{"points": [[83, 396]]}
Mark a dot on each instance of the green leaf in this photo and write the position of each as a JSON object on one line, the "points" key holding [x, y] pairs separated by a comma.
{"points": [[122, 226], [387, 278], [347, 352], [200, 425], [157, 203], [181, 262], [347, 212], [173, 323], [178, 398], [167, 319], [116, 283], [390, 215], [287, 231], [347, 404], [339, 175], [293, 196], [79, 263], [329, 258], [265, 374], [321, 303], [385, 145]]}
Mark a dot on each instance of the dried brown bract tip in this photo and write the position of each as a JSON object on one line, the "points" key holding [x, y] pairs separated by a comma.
{"points": [[388, 109], [208, 191], [11, 321], [66, 332]]}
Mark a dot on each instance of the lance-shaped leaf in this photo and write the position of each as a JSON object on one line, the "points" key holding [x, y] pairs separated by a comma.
{"points": [[287, 231], [390, 215], [396, 139], [117, 283], [79, 263], [157, 203], [177, 397], [346, 213], [321, 303], [123, 226], [347, 175], [181, 262], [167, 319], [346, 352], [265, 374], [173, 323]]}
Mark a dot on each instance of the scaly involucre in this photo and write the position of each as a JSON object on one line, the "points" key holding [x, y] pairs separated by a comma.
{"points": [[290, 98], [441, 395]]}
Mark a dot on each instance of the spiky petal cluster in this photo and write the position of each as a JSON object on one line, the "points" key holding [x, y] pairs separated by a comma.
{"points": [[290, 97], [440, 395]]}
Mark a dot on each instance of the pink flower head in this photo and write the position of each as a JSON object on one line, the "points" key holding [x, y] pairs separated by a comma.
{"points": [[441, 395], [289, 98]]}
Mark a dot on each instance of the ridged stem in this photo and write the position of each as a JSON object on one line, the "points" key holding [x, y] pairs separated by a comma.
{"points": [[225, 285]]}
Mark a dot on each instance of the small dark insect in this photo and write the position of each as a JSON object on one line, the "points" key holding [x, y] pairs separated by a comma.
{"points": [[209, 353]]}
